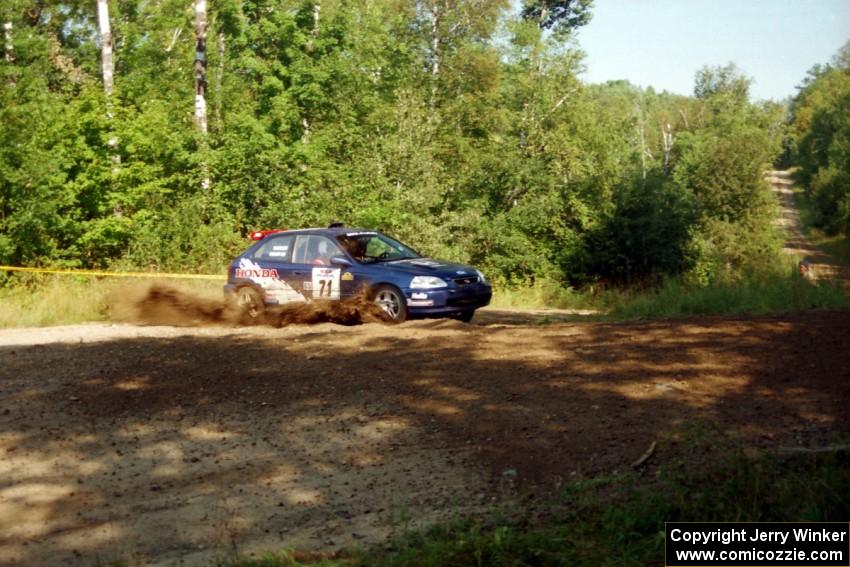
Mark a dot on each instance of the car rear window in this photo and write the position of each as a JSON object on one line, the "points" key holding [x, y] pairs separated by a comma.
{"points": [[275, 249]]}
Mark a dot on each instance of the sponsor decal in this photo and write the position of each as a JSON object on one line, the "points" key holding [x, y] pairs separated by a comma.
{"points": [[281, 248], [461, 272], [361, 233], [347, 276], [326, 283], [308, 286], [419, 296], [420, 303], [278, 254], [252, 273], [277, 290]]}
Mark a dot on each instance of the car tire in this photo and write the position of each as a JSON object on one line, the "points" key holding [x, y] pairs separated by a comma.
{"points": [[392, 301], [465, 316], [250, 303]]}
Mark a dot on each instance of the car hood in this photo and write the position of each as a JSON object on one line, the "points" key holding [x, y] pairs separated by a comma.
{"points": [[431, 267]]}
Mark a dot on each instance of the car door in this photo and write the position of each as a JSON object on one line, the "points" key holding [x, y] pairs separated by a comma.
{"points": [[269, 267], [311, 268]]}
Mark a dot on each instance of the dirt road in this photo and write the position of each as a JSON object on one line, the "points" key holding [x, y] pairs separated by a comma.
{"points": [[821, 265], [169, 444]]}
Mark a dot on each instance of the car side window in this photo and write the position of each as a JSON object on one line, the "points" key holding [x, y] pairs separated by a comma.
{"points": [[377, 248], [275, 249], [314, 249]]}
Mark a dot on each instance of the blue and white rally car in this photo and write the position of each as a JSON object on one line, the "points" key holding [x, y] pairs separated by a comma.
{"points": [[337, 262]]}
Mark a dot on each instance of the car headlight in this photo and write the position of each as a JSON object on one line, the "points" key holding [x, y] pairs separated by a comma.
{"points": [[427, 282], [481, 277]]}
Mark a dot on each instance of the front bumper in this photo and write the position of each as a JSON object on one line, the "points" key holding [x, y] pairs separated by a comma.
{"points": [[447, 300]]}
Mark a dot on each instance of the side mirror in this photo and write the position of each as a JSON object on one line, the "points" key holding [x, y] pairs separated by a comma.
{"points": [[340, 261]]}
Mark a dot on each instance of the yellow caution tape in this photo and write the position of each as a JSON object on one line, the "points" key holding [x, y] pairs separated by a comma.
{"points": [[111, 274]]}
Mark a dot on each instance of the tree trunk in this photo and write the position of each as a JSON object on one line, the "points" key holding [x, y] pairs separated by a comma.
{"points": [[314, 33], [667, 141], [106, 60], [436, 45], [201, 65], [201, 82], [8, 48], [107, 65], [219, 81], [641, 137], [544, 13]]}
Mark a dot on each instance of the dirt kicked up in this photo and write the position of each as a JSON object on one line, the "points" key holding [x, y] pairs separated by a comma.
{"points": [[160, 304], [167, 445]]}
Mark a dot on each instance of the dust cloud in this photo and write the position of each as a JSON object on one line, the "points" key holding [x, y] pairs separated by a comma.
{"points": [[161, 304]]}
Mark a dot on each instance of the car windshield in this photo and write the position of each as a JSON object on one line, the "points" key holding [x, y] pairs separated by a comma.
{"points": [[371, 247]]}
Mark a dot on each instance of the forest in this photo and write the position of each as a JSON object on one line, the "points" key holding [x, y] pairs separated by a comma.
{"points": [[157, 135]]}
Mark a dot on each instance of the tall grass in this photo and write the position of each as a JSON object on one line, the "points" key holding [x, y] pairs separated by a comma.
{"points": [[542, 294], [34, 301], [56, 300], [771, 292], [620, 520]]}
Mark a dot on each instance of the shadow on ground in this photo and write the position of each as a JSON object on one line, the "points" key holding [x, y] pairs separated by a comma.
{"points": [[324, 437]]}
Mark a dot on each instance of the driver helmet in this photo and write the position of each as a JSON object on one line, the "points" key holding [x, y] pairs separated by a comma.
{"points": [[324, 249]]}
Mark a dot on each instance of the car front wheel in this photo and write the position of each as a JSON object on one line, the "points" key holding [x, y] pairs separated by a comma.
{"points": [[391, 300]]}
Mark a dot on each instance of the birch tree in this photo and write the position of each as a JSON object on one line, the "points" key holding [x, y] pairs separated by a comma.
{"points": [[201, 82], [107, 65], [8, 48], [107, 62], [201, 65], [448, 23]]}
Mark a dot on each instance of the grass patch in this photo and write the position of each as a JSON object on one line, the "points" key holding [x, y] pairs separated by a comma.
{"points": [[32, 301], [778, 292], [38, 300], [619, 520], [837, 245], [542, 294]]}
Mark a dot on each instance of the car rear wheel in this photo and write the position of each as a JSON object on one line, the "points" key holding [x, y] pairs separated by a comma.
{"points": [[250, 302], [391, 300]]}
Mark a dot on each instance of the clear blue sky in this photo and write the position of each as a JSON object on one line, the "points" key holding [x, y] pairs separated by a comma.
{"points": [[664, 42]]}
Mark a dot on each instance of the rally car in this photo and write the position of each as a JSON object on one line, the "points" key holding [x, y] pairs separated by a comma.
{"points": [[335, 263]]}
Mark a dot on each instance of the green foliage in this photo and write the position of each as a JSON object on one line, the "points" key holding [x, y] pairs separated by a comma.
{"points": [[836, 245], [561, 16], [460, 127], [820, 132], [767, 291], [648, 233], [193, 236]]}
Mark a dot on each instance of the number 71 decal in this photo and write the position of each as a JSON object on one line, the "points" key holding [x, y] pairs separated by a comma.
{"points": [[326, 283]]}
